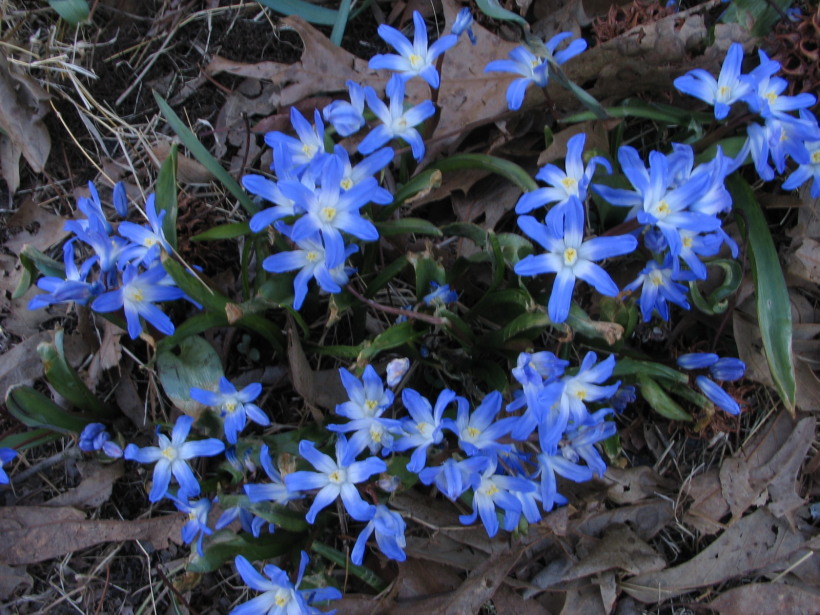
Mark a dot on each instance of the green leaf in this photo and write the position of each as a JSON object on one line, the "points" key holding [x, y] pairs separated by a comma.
{"points": [[471, 231], [339, 558], [225, 545], [718, 300], [761, 13], [656, 397], [526, 325], [772, 297], [34, 409], [427, 270], [29, 439], [196, 365], [424, 182], [395, 336], [166, 196], [194, 287], [491, 8], [403, 226], [224, 231], [67, 382], [386, 275], [72, 11], [514, 247], [579, 320], [500, 166], [634, 107], [317, 15], [340, 24], [199, 152], [277, 514], [633, 367], [505, 302], [33, 261]]}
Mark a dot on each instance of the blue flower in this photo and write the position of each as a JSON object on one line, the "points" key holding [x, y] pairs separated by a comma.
{"points": [[780, 138], [729, 87], [234, 406], [727, 368], [137, 296], [478, 432], [697, 360], [347, 117], [389, 529], [92, 208], [280, 596], [585, 386], [570, 258], [424, 428], [334, 479], [658, 285], [368, 167], [464, 23], [581, 440], [6, 455], [275, 491], [441, 295], [717, 395], [308, 151], [454, 477], [197, 524], [563, 185], [150, 238], [807, 171], [767, 99], [413, 59], [396, 370], [120, 198], [92, 437], [171, 458], [395, 121], [549, 464], [269, 190], [496, 490], [71, 289], [532, 68]]}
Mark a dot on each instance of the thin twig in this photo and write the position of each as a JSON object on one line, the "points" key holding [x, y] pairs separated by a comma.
{"points": [[433, 320]]}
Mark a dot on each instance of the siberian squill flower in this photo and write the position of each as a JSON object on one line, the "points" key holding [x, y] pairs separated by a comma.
{"points": [[275, 491], [658, 285], [727, 368], [697, 360], [532, 68], [454, 477], [478, 432], [197, 524], [334, 479], [311, 261], [767, 96], [717, 395], [280, 596], [389, 529], [396, 370], [150, 238], [120, 198], [171, 457], [269, 190], [424, 427], [413, 59], [137, 297], [347, 117], [92, 208], [729, 87], [582, 439], [94, 437], [234, 406], [72, 288], [495, 490], [440, 295], [6, 455], [550, 463], [308, 151], [563, 185], [585, 386], [570, 258], [395, 121], [368, 167], [464, 23], [807, 171]]}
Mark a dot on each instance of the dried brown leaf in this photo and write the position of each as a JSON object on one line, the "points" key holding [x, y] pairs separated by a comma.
{"points": [[755, 542], [22, 364], [11, 578], [95, 488], [318, 388], [583, 598], [646, 518], [767, 598], [805, 261], [631, 485], [709, 505], [31, 534]]}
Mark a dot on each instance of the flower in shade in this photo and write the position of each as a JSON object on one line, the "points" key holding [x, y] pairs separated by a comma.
{"points": [[6, 455], [120, 198], [478, 432], [570, 258], [347, 117], [275, 491], [697, 360], [389, 529], [280, 596], [234, 406], [454, 477], [171, 457], [414, 58], [496, 490], [717, 395], [150, 238], [658, 285], [808, 171], [464, 23], [334, 479], [424, 428], [395, 121], [197, 524], [396, 370], [727, 368], [72, 288], [308, 151], [532, 68]]}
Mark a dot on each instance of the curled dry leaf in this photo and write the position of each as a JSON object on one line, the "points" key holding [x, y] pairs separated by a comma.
{"points": [[767, 598]]}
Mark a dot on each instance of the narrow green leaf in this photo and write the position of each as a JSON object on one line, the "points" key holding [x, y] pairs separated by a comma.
{"points": [[761, 14], [579, 320], [500, 166], [34, 409], [492, 9], [225, 545], [514, 247], [634, 107], [718, 300], [224, 231], [404, 226], [633, 367], [311, 13], [656, 397], [199, 152], [471, 231], [34, 261], [72, 11], [193, 287], [342, 15], [386, 275], [458, 328], [526, 325], [395, 336], [427, 180], [29, 439], [427, 270], [166, 196], [339, 558], [771, 294], [505, 302]]}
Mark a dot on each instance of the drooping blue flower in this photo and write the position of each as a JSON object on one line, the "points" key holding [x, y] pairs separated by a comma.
{"points": [[96, 221], [717, 395], [6, 455], [234, 406], [624, 396], [334, 478], [781, 138], [424, 428], [658, 285], [150, 238], [581, 440], [532, 68], [280, 596], [570, 258], [454, 477], [171, 458], [276, 490], [729, 87], [310, 260], [389, 528], [563, 185], [396, 123], [197, 524], [92, 437], [727, 369], [413, 59], [137, 297], [495, 490], [464, 23], [347, 117]]}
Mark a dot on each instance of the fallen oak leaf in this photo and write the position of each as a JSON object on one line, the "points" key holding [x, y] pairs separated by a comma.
{"points": [[31, 534], [767, 598]]}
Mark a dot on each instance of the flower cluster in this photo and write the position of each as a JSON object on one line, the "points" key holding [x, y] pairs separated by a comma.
{"points": [[123, 270]]}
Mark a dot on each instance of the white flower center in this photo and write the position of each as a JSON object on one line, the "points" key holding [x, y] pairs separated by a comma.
{"points": [[170, 453], [338, 476], [312, 256], [347, 183], [134, 294], [309, 150], [815, 157], [569, 184], [416, 61], [328, 214], [656, 278]]}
